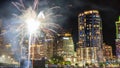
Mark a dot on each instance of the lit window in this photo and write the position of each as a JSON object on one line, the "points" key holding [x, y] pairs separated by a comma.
{"points": [[97, 25], [89, 25], [80, 28], [83, 35], [84, 20], [90, 33], [88, 37]]}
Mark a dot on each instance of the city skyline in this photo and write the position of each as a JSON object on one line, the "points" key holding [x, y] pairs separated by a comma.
{"points": [[39, 33], [109, 14]]}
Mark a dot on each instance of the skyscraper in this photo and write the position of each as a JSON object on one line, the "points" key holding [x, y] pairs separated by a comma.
{"points": [[90, 29], [65, 47], [90, 35]]}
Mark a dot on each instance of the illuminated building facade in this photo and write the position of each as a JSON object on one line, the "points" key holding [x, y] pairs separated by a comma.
{"points": [[42, 48], [118, 38], [86, 55], [38, 52], [107, 51], [49, 44], [90, 29], [68, 47], [90, 35], [65, 47]]}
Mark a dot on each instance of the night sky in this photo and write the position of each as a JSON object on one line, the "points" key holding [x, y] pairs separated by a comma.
{"points": [[109, 12]]}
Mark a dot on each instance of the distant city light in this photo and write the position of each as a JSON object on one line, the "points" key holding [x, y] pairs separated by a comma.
{"points": [[3, 56], [66, 38]]}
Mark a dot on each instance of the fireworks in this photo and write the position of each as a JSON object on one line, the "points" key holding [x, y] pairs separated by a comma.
{"points": [[36, 22], [31, 20], [33, 24]]}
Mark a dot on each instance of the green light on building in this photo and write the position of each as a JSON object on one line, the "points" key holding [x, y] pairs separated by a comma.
{"points": [[118, 28]]}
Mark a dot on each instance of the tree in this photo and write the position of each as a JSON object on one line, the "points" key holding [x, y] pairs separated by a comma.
{"points": [[57, 59], [68, 62]]}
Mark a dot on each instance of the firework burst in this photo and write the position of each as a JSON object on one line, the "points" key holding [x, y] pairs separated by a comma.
{"points": [[34, 24]]}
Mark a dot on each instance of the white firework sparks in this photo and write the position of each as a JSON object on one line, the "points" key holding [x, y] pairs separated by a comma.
{"points": [[33, 23]]}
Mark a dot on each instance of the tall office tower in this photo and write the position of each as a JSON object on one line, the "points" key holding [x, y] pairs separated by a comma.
{"points": [[90, 29], [49, 44], [68, 47], [65, 47], [90, 35], [40, 50], [118, 38]]}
